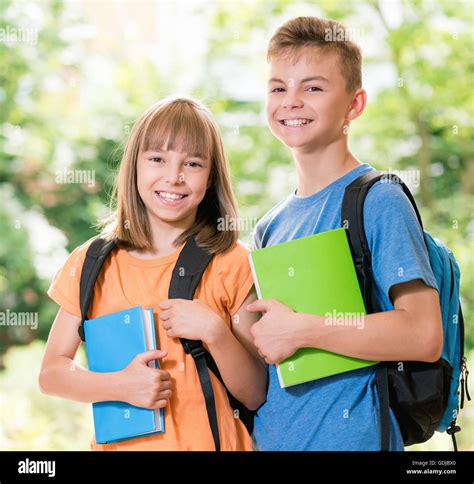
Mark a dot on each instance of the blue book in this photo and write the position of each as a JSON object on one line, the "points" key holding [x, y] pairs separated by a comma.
{"points": [[112, 342]]}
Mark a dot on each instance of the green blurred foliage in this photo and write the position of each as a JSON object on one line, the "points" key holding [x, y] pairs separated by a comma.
{"points": [[30, 420], [55, 114]]}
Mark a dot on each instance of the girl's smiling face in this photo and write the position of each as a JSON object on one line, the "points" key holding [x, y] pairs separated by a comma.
{"points": [[173, 181], [172, 184]]}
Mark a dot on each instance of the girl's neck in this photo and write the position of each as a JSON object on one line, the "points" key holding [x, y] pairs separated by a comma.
{"points": [[163, 236]]}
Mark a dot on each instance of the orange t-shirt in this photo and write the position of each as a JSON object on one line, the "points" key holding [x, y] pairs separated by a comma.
{"points": [[126, 281]]}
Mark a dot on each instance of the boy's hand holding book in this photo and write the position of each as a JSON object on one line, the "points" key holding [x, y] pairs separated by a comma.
{"points": [[277, 333]]}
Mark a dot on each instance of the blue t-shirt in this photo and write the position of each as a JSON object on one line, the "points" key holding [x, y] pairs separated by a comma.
{"points": [[341, 412]]}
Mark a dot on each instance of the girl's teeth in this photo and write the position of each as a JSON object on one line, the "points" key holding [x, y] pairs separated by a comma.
{"points": [[170, 196]]}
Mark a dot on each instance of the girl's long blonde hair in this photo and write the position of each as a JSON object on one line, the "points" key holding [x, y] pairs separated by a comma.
{"points": [[178, 124]]}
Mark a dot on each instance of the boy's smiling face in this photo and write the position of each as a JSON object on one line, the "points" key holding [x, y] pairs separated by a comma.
{"points": [[307, 101]]}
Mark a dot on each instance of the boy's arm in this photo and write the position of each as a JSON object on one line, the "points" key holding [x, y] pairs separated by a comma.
{"points": [[410, 332]]}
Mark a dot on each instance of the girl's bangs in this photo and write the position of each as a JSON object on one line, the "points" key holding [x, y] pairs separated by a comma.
{"points": [[178, 127]]}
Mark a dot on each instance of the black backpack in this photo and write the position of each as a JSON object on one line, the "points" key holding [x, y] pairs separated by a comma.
{"points": [[187, 273], [424, 396]]}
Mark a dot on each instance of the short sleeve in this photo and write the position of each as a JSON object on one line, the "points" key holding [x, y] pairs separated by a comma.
{"points": [[257, 237], [64, 289], [395, 238], [235, 276]]}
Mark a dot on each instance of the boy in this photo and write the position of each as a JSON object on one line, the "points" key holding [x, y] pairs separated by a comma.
{"points": [[314, 92]]}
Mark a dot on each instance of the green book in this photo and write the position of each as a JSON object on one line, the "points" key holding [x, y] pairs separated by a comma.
{"points": [[315, 275]]}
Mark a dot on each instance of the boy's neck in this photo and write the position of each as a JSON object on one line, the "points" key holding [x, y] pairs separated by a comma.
{"points": [[320, 167]]}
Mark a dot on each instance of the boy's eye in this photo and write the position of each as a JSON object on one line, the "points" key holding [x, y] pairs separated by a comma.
{"points": [[277, 89], [314, 89]]}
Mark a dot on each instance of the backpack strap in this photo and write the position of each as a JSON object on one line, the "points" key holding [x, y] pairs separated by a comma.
{"points": [[352, 217], [96, 254], [381, 381], [187, 273]]}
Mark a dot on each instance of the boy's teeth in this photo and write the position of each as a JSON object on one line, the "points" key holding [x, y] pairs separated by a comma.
{"points": [[295, 122], [170, 196]]}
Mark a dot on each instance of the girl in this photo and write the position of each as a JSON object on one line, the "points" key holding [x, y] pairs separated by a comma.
{"points": [[173, 184]]}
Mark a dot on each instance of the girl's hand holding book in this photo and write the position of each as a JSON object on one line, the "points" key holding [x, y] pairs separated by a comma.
{"points": [[142, 386]]}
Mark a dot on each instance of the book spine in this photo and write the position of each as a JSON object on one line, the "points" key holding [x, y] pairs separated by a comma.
{"points": [[259, 295], [255, 278], [280, 377]]}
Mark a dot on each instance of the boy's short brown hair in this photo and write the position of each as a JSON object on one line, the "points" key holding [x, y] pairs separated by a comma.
{"points": [[301, 32]]}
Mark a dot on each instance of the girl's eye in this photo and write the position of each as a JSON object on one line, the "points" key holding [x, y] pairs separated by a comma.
{"points": [[194, 164], [156, 159], [277, 89], [314, 89]]}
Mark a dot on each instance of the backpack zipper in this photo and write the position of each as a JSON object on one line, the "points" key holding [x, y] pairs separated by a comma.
{"points": [[464, 370], [464, 381]]}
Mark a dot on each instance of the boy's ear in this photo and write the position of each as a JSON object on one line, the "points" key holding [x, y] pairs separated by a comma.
{"points": [[357, 106]]}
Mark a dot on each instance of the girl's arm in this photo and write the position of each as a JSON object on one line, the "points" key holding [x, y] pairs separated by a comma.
{"points": [[61, 376], [243, 372]]}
